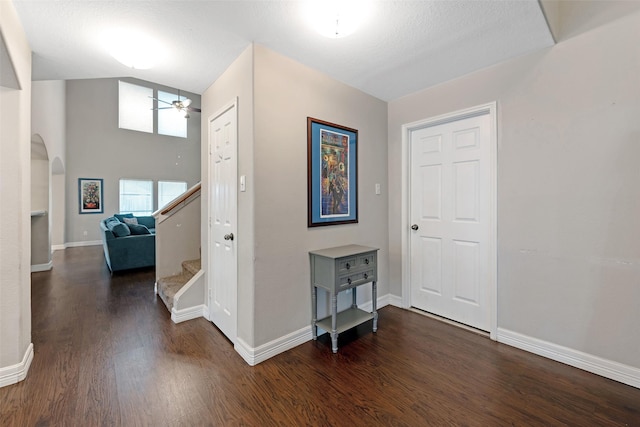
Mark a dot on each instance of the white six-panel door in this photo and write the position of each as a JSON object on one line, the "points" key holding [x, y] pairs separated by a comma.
{"points": [[223, 223], [451, 220]]}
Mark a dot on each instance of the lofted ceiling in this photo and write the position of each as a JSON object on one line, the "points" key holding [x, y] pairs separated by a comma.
{"points": [[402, 47]]}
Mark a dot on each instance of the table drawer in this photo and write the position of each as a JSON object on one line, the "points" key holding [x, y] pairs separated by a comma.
{"points": [[367, 259], [346, 264], [356, 278]]}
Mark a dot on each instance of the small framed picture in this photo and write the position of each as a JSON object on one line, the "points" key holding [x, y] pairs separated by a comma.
{"points": [[90, 195], [332, 173]]}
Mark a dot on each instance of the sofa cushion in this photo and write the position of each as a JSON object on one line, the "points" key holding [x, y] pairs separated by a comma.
{"points": [[130, 221], [122, 216], [137, 229], [147, 221], [119, 229], [111, 220]]}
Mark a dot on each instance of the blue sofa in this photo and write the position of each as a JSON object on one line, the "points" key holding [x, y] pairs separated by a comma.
{"points": [[129, 241]]}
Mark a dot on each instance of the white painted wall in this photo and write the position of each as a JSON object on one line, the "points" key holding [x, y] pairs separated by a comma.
{"points": [[568, 246], [97, 148], [48, 120], [275, 97], [286, 93], [48, 116], [236, 81], [15, 219]]}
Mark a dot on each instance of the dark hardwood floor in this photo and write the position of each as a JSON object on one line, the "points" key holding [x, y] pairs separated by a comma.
{"points": [[107, 354]]}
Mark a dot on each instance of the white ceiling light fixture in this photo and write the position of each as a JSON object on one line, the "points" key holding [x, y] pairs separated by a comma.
{"points": [[133, 48], [336, 18]]}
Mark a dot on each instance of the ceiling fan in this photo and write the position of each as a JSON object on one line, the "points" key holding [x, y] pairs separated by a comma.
{"points": [[182, 105]]}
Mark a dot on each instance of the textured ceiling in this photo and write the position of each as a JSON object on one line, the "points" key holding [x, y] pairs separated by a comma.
{"points": [[403, 46]]}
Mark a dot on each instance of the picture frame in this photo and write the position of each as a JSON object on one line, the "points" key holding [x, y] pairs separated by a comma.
{"points": [[90, 196], [332, 174]]}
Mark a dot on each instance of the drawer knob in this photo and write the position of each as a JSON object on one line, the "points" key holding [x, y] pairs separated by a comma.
{"points": [[366, 261], [349, 280], [348, 266], [366, 275]]}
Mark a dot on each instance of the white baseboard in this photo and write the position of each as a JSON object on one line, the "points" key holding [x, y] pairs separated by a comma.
{"points": [[80, 244], [609, 369], [395, 301], [382, 302], [253, 356], [58, 247], [18, 372], [42, 267], [187, 313]]}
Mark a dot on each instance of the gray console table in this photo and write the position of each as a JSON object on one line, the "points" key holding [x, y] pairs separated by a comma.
{"points": [[336, 270]]}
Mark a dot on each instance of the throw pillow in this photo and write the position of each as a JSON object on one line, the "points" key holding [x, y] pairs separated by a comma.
{"points": [[121, 230], [122, 216], [111, 220], [130, 221], [137, 229]]}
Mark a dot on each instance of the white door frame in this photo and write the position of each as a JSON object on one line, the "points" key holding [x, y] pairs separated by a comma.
{"points": [[491, 109], [209, 281]]}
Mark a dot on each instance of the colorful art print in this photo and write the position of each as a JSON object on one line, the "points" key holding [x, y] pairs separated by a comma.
{"points": [[332, 173], [90, 194]]}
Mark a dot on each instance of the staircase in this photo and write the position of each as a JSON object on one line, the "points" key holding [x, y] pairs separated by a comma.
{"points": [[181, 284], [169, 286]]}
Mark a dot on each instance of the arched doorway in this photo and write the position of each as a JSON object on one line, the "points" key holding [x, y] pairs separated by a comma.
{"points": [[40, 206]]}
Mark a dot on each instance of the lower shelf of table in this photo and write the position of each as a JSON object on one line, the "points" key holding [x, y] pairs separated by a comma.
{"points": [[346, 319]]}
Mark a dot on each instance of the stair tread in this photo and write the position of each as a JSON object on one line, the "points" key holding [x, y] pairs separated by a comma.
{"points": [[169, 286], [192, 266], [173, 283]]}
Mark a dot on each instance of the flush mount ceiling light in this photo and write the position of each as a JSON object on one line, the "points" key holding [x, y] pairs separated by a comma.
{"points": [[133, 48], [336, 18]]}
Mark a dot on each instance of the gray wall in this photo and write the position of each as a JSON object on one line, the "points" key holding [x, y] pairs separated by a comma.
{"points": [[275, 96], [568, 246], [286, 93], [97, 148]]}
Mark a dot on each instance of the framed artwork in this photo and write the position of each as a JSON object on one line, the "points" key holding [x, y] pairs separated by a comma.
{"points": [[332, 173], [90, 195]]}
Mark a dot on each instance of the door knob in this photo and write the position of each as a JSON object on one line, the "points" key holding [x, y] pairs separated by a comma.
{"points": [[414, 227], [228, 236]]}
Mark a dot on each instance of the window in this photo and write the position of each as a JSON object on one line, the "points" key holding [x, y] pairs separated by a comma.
{"points": [[136, 196], [170, 120], [135, 107], [169, 190]]}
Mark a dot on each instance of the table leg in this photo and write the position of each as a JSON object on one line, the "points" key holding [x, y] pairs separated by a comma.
{"points": [[354, 304], [314, 312], [374, 300], [334, 322]]}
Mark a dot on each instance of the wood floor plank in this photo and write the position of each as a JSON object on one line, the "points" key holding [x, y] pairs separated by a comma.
{"points": [[107, 354]]}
